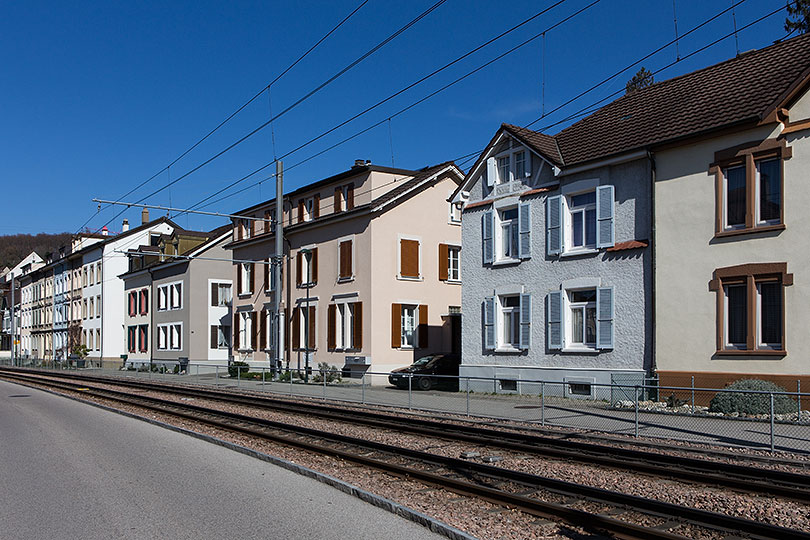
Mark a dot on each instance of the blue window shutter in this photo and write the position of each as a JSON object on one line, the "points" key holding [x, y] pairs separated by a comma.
{"points": [[487, 238], [604, 217], [489, 322], [525, 321], [555, 320], [554, 242], [604, 318], [525, 229], [492, 171]]}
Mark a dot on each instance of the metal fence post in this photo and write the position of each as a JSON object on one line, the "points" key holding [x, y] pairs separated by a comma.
{"points": [[468, 396], [238, 375], [410, 390], [772, 446], [636, 411], [798, 400], [324, 384], [543, 403], [262, 379], [363, 389], [693, 394], [216, 378], [291, 376]]}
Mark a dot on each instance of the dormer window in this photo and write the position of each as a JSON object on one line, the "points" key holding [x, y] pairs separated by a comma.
{"points": [[510, 165], [309, 208]]}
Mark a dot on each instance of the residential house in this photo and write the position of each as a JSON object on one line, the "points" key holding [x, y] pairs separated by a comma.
{"points": [[370, 271], [558, 284]]}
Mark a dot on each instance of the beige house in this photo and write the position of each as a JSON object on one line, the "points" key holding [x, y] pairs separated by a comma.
{"points": [[731, 195], [371, 276]]}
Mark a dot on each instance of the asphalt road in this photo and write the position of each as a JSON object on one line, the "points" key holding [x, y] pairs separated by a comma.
{"points": [[69, 470]]}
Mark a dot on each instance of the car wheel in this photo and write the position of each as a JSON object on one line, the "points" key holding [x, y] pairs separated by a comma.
{"points": [[424, 383]]}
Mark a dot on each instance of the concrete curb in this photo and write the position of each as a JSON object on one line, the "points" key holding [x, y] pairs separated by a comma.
{"points": [[433, 524]]}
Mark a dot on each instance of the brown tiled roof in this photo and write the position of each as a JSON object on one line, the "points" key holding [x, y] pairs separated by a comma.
{"points": [[542, 143], [477, 204], [742, 89], [630, 244], [537, 191], [419, 177]]}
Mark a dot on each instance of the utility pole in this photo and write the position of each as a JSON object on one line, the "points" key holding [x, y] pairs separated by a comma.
{"points": [[279, 258]]}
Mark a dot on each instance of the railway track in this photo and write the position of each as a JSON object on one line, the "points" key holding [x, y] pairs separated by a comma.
{"points": [[733, 476], [599, 510]]}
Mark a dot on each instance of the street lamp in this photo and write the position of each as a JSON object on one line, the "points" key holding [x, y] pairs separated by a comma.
{"points": [[307, 284]]}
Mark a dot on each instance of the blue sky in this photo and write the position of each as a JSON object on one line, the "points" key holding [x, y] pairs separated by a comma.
{"points": [[96, 97]]}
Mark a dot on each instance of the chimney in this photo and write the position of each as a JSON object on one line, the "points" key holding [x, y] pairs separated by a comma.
{"points": [[144, 216], [104, 231], [359, 163], [125, 225]]}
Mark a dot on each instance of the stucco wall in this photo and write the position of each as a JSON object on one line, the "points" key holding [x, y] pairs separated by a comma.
{"points": [[688, 253], [135, 284], [629, 272]]}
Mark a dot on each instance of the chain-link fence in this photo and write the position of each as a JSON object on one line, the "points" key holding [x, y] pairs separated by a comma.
{"points": [[769, 420]]}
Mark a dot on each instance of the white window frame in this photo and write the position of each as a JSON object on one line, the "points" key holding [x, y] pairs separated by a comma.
{"points": [[726, 226], [223, 285], [306, 266], [511, 154], [245, 331], [98, 339], [247, 278], [454, 273], [570, 210], [344, 198], [405, 309], [223, 337], [309, 208], [500, 224], [757, 198], [513, 313], [247, 228], [569, 321], [344, 325], [163, 300]]}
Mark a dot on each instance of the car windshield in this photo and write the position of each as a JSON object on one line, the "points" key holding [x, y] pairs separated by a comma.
{"points": [[425, 360]]}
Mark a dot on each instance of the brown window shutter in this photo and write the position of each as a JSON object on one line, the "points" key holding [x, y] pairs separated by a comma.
{"points": [[314, 261], [214, 294], [409, 258], [267, 221], [238, 225], [316, 206], [238, 278], [423, 326], [299, 274], [396, 326], [350, 199], [296, 328], [331, 342], [444, 254], [236, 317], [300, 210], [349, 261], [311, 327], [263, 329], [336, 203], [254, 330], [357, 326], [266, 274], [346, 259], [214, 340]]}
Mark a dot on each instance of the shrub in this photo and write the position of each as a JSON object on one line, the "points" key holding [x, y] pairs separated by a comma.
{"points": [[332, 373], [749, 403], [285, 376], [237, 369]]}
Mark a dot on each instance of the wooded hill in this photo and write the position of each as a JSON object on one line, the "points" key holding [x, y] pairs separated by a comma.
{"points": [[14, 247]]}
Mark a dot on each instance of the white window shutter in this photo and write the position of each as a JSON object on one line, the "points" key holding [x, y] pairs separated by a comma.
{"points": [[604, 217], [489, 322], [604, 318], [525, 230], [487, 236], [492, 171], [528, 164], [525, 321], [555, 320], [554, 241]]}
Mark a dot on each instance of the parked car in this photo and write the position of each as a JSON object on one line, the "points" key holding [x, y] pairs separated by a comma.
{"points": [[432, 371]]}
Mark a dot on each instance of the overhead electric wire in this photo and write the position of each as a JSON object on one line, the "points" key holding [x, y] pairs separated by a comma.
{"points": [[237, 111]]}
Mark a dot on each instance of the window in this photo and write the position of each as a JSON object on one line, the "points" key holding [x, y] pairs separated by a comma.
{"points": [[579, 389], [170, 296], [98, 272], [245, 330], [344, 197], [506, 234], [92, 310], [580, 222], [133, 303], [580, 319], [408, 325], [131, 331], [98, 306], [220, 294], [143, 298], [510, 322], [246, 278], [511, 164], [163, 292], [303, 328], [306, 267], [749, 186], [454, 263], [91, 279], [170, 337], [345, 267], [507, 322], [409, 264], [750, 308], [98, 339], [454, 212], [143, 338], [309, 208], [247, 228], [582, 313], [220, 337]]}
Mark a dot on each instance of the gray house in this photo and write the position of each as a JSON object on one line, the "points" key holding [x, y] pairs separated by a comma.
{"points": [[182, 291], [561, 286]]}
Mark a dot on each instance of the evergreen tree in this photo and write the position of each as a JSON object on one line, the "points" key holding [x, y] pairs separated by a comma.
{"points": [[642, 79], [798, 16]]}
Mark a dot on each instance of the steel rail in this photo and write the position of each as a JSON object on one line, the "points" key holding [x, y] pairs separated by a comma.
{"points": [[731, 475], [239, 422]]}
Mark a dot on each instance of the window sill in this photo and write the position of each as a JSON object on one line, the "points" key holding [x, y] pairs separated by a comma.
{"points": [[754, 353], [507, 350], [505, 262], [581, 350], [306, 285], [244, 294], [751, 230], [453, 281], [451, 222], [410, 278], [345, 279], [578, 252]]}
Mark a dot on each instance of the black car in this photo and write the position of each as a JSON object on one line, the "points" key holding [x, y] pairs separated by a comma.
{"points": [[431, 371]]}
